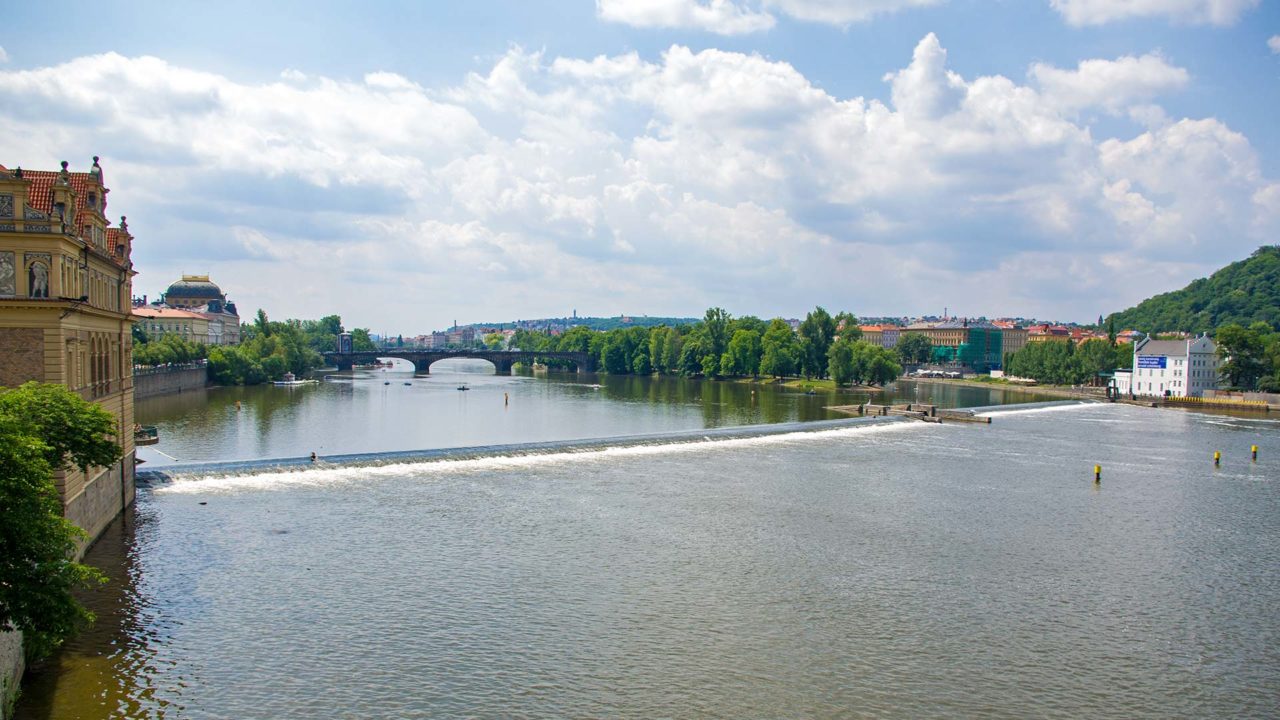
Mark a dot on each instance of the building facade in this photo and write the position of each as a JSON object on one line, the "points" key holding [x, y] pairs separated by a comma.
{"points": [[65, 286], [156, 321], [1172, 368], [977, 345], [199, 294]]}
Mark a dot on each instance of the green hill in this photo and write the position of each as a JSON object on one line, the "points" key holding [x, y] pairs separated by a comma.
{"points": [[1243, 292]]}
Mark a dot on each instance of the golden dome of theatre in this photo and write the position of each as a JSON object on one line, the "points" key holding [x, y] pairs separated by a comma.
{"points": [[193, 288]]}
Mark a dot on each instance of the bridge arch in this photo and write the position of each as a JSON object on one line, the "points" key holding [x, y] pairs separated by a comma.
{"points": [[422, 360]]}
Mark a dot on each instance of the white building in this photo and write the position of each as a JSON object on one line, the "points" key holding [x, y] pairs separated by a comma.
{"points": [[1176, 368]]}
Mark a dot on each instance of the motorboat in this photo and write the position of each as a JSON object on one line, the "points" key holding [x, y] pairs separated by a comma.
{"points": [[289, 380]]}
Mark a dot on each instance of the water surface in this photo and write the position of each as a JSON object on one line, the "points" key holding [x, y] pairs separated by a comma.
{"points": [[908, 570]]}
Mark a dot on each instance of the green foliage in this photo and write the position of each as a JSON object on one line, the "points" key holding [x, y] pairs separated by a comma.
{"points": [[270, 349], [360, 340], [778, 349], [856, 361], [74, 432], [719, 345], [914, 348], [817, 332], [743, 354], [1061, 363], [1251, 356], [43, 427], [169, 349], [1241, 293]]}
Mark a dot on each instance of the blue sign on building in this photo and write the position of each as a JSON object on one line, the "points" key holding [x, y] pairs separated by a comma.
{"points": [[1153, 361]]}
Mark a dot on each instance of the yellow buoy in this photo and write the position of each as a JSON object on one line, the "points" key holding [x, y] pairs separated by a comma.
{"points": [[1097, 473], [1217, 457], [1254, 449]]}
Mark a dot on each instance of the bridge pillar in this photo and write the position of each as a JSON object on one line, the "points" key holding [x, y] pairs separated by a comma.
{"points": [[421, 364], [501, 366]]}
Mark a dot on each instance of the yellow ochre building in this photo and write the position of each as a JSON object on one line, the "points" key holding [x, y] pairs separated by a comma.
{"points": [[65, 299]]}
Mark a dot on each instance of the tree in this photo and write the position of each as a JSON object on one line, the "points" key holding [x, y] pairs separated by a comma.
{"points": [[840, 362], [1243, 351], [360, 340], [817, 332], [261, 324], [492, 341], [43, 428], [847, 326], [743, 353], [914, 348], [778, 349]]}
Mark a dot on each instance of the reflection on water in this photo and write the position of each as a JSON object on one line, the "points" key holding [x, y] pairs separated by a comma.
{"points": [[904, 570], [377, 411]]}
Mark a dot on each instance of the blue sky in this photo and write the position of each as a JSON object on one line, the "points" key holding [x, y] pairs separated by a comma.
{"points": [[405, 164]]}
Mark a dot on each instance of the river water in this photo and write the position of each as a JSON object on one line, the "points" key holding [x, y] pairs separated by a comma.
{"points": [[897, 569], [377, 411]]}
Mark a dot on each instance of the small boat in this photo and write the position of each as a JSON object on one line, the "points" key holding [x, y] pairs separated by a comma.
{"points": [[145, 435], [387, 382], [408, 383], [463, 387], [290, 380]]}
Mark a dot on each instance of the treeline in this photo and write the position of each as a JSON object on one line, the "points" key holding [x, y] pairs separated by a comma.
{"points": [[169, 349], [1241, 293], [267, 350], [1059, 362], [1251, 356], [721, 345]]}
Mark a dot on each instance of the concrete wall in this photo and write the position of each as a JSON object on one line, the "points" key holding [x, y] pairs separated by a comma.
{"points": [[102, 499], [11, 667], [166, 381]]}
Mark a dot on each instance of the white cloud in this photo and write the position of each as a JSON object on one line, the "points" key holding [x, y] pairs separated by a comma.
{"points": [[842, 12], [1100, 12], [1112, 85], [719, 16], [660, 186], [1273, 42], [735, 17]]}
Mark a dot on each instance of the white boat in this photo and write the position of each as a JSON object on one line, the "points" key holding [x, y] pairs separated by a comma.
{"points": [[290, 380]]}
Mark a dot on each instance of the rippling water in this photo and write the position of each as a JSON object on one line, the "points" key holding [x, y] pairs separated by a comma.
{"points": [[903, 570], [393, 410]]}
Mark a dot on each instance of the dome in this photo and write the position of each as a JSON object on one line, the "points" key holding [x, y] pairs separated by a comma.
{"points": [[194, 286]]}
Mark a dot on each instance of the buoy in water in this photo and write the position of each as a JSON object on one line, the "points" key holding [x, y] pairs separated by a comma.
{"points": [[1217, 458], [1097, 473], [1254, 450]]}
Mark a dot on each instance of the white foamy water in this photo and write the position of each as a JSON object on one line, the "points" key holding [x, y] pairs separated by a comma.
{"points": [[321, 476]]}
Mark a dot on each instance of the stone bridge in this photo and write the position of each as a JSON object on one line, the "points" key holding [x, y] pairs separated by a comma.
{"points": [[422, 359]]}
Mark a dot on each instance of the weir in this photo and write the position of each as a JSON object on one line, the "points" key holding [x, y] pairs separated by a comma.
{"points": [[168, 473]]}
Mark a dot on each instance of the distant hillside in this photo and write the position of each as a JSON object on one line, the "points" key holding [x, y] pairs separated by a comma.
{"points": [[1242, 292]]}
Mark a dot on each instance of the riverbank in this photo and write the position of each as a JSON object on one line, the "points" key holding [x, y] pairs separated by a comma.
{"points": [[1057, 391]]}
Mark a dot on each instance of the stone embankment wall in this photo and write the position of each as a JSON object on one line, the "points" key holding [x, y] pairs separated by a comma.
{"points": [[149, 382], [11, 666], [1269, 398]]}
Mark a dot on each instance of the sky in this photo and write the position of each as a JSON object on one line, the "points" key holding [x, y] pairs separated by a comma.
{"points": [[409, 164]]}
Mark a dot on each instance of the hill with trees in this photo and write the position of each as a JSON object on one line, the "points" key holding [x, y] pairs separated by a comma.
{"points": [[1243, 293]]}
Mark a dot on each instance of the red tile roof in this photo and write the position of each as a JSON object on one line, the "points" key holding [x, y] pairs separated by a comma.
{"points": [[40, 195]]}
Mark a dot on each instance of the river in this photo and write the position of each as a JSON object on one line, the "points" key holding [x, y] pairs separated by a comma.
{"points": [[898, 569], [394, 410]]}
